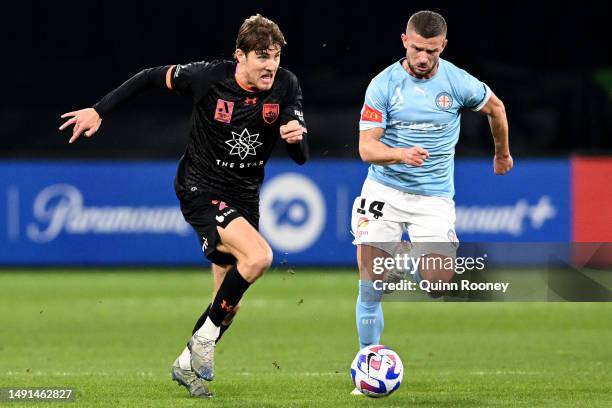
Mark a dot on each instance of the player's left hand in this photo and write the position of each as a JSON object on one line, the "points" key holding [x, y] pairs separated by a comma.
{"points": [[502, 163], [292, 132]]}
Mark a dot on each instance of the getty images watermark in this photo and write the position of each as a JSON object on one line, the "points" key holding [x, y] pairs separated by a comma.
{"points": [[393, 269], [489, 271]]}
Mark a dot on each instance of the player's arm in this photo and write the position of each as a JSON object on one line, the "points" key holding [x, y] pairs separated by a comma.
{"points": [[89, 120], [293, 128], [297, 146], [372, 125], [372, 150], [496, 114]]}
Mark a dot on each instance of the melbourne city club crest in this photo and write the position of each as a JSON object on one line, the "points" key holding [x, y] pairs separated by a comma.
{"points": [[444, 100], [244, 144]]}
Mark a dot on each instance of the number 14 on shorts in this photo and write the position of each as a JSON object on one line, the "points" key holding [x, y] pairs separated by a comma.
{"points": [[375, 208]]}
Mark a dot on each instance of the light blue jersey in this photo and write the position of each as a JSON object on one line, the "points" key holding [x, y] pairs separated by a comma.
{"points": [[423, 112]]}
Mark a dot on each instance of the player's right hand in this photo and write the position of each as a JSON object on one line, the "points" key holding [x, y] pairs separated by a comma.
{"points": [[84, 120], [502, 163], [415, 156]]}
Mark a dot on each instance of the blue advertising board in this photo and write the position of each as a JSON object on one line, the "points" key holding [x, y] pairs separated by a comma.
{"points": [[529, 204], [115, 213], [92, 213]]}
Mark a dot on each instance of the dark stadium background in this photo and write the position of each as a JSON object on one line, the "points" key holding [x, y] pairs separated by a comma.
{"points": [[549, 64]]}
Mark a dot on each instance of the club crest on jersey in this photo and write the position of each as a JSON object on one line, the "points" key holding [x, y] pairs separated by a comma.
{"points": [[270, 112], [444, 101], [223, 111]]}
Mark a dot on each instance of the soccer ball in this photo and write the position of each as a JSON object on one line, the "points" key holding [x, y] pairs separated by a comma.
{"points": [[377, 371]]}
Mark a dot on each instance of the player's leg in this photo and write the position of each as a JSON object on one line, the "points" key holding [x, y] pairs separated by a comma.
{"points": [[253, 257], [211, 218], [368, 309], [218, 272], [432, 231], [181, 371], [238, 238], [373, 225]]}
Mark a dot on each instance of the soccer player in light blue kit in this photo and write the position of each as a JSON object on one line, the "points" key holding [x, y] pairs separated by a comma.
{"points": [[408, 131]]}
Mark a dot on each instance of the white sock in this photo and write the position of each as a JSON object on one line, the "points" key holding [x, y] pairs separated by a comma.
{"points": [[185, 359], [209, 330]]}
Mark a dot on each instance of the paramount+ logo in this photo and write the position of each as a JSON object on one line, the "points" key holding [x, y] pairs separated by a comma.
{"points": [[513, 219], [60, 209]]}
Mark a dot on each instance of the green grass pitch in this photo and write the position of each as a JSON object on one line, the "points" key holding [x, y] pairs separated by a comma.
{"points": [[113, 335]]}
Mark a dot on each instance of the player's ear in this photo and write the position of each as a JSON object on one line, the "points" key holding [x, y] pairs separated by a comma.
{"points": [[239, 55], [444, 44]]}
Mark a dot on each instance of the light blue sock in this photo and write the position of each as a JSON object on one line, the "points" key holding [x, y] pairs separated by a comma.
{"points": [[416, 276], [370, 321]]}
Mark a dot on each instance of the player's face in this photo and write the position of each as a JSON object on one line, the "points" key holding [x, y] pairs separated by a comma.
{"points": [[422, 54], [259, 67]]}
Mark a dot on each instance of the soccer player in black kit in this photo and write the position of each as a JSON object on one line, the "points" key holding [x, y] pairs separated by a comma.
{"points": [[240, 108]]}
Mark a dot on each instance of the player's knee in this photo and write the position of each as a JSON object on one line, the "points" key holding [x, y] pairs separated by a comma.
{"points": [[263, 261], [256, 264]]}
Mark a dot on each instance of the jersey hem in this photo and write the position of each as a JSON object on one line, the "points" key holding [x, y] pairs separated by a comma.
{"points": [[409, 190]]}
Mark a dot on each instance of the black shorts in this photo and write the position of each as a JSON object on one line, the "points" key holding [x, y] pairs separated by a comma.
{"points": [[205, 212]]}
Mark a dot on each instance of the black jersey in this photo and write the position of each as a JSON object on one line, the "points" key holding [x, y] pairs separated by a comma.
{"points": [[233, 129]]}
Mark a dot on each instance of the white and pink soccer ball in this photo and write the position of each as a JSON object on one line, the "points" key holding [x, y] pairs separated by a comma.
{"points": [[377, 371]]}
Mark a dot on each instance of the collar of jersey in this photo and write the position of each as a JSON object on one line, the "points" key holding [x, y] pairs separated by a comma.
{"points": [[415, 79]]}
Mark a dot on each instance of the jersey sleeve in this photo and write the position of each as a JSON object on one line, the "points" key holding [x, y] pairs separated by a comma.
{"points": [[473, 94], [374, 110], [292, 110], [190, 79], [292, 106]]}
